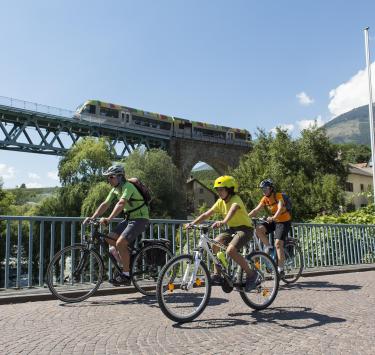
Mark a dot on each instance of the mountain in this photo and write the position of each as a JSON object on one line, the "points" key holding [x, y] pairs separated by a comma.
{"points": [[350, 127]]}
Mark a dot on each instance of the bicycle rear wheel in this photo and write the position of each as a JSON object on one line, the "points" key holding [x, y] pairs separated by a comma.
{"points": [[293, 265], [147, 265], [181, 296], [75, 273], [267, 284]]}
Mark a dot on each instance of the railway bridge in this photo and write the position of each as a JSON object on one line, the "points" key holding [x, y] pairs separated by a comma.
{"points": [[35, 128]]}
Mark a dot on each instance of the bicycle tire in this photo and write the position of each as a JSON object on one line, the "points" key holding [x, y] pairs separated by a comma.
{"points": [[165, 292], [149, 272], [74, 288], [268, 281], [293, 265]]}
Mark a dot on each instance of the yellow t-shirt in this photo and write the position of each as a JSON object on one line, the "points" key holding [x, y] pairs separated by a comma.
{"points": [[240, 217], [271, 203]]}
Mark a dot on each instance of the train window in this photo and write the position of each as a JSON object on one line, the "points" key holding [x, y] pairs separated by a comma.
{"points": [[108, 112], [241, 136], [92, 109], [127, 117], [181, 126]]}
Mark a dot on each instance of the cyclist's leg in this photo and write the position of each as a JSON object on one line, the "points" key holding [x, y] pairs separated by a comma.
{"points": [[223, 238], [262, 231], [281, 233], [240, 238], [127, 237]]}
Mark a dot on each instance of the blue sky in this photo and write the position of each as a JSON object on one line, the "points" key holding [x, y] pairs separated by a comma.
{"points": [[239, 63]]}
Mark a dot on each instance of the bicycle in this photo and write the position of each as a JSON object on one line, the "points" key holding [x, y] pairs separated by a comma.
{"points": [[184, 284], [293, 264], [76, 272]]}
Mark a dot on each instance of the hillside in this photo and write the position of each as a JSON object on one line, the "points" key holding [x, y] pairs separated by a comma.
{"points": [[350, 127]]}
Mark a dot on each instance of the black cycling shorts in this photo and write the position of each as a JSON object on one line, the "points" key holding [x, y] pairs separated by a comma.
{"points": [[281, 229]]}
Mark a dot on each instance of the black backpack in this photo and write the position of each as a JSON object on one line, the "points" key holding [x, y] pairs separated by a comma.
{"points": [[143, 190], [287, 202]]}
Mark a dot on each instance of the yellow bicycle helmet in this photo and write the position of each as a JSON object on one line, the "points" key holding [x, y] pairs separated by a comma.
{"points": [[226, 181]]}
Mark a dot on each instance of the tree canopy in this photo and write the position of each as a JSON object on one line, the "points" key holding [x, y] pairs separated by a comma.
{"points": [[307, 169]]}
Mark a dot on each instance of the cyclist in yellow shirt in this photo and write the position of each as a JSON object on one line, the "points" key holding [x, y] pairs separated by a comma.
{"points": [[231, 207], [279, 221]]}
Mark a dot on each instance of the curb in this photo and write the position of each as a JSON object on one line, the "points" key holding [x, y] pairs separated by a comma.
{"points": [[45, 295]]}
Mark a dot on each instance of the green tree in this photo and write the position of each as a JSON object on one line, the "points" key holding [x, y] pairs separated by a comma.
{"points": [[79, 171], [306, 169], [354, 153], [6, 200], [156, 169]]}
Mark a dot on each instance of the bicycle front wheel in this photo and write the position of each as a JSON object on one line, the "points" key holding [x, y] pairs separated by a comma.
{"points": [[147, 265], [293, 264], [267, 284], [183, 289], [75, 273]]}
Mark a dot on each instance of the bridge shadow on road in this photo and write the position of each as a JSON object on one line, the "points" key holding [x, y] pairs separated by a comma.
{"points": [[320, 286], [290, 317]]}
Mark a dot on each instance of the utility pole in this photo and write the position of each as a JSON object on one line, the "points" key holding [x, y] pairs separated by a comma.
{"points": [[370, 109]]}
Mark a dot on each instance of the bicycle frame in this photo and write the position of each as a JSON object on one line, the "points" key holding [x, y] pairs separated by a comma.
{"points": [[204, 245]]}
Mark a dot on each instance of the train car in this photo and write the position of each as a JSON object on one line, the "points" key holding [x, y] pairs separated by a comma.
{"points": [[122, 116]]}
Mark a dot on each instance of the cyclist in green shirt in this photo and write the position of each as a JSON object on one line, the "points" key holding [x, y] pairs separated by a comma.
{"points": [[231, 207], [131, 202]]}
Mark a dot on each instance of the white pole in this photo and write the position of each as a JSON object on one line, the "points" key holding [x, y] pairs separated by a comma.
{"points": [[370, 109]]}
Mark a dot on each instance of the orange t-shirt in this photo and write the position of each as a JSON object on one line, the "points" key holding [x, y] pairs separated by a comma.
{"points": [[271, 203]]}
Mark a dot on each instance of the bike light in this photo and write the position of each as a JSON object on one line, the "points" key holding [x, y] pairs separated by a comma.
{"points": [[198, 282], [170, 287]]}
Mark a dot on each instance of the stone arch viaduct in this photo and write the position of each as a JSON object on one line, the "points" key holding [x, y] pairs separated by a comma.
{"points": [[186, 153]]}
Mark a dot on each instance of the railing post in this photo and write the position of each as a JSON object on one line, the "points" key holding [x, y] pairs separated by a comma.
{"points": [[19, 252], [7, 255], [30, 261], [41, 254]]}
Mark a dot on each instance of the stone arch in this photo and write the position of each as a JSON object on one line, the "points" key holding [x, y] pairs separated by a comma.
{"points": [[186, 153]]}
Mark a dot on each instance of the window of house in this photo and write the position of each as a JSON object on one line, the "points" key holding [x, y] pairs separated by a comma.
{"points": [[362, 187], [349, 186], [201, 191]]}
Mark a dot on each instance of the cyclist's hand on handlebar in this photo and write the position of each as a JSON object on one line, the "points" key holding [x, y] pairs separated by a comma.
{"points": [[217, 224], [104, 220], [87, 220], [188, 225]]}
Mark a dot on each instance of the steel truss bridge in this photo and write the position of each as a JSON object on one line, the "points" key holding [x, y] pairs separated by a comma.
{"points": [[35, 128]]}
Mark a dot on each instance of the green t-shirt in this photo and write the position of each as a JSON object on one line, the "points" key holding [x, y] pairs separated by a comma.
{"points": [[129, 192], [240, 217]]}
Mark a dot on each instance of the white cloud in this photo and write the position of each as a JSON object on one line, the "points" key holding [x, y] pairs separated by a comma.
{"points": [[33, 176], [31, 185], [305, 124], [304, 99], [352, 93], [7, 172], [53, 175]]}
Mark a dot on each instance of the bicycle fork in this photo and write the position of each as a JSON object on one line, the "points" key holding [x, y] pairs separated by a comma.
{"points": [[188, 282]]}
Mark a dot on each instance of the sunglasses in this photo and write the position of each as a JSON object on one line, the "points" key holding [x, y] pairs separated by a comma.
{"points": [[112, 177]]}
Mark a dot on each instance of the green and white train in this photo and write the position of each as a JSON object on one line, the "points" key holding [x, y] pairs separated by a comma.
{"points": [[123, 116]]}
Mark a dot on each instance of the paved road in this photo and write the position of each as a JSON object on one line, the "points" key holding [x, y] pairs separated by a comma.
{"points": [[321, 315]]}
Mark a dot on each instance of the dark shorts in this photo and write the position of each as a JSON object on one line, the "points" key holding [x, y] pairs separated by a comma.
{"points": [[281, 229], [236, 236], [131, 229]]}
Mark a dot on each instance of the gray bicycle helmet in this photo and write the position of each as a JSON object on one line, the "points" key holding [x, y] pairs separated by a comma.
{"points": [[266, 183], [115, 170]]}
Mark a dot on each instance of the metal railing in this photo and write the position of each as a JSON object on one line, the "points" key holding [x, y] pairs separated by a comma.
{"points": [[27, 244]]}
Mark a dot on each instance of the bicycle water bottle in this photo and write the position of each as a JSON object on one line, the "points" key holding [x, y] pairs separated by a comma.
{"points": [[221, 256], [115, 253]]}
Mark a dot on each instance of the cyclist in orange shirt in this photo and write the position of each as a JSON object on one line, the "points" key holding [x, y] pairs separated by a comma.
{"points": [[279, 221]]}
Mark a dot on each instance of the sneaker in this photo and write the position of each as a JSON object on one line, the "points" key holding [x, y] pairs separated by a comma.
{"points": [[251, 282], [216, 280], [120, 280]]}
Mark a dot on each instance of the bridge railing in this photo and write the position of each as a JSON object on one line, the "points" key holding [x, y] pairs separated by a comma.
{"points": [[27, 244]]}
